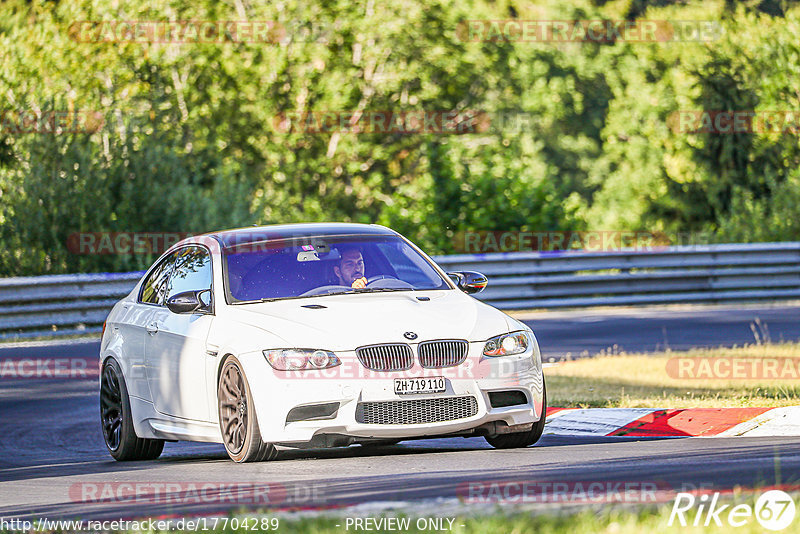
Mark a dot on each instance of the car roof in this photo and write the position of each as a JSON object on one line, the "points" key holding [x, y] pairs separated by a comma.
{"points": [[253, 234]]}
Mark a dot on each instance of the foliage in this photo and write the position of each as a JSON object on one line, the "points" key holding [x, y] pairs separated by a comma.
{"points": [[191, 140]]}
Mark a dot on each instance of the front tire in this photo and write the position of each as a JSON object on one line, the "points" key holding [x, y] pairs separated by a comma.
{"points": [[519, 440], [117, 420], [237, 416]]}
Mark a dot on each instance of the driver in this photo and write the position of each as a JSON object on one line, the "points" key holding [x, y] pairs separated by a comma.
{"points": [[350, 268]]}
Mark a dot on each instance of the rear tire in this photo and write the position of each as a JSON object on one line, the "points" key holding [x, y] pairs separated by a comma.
{"points": [[519, 440], [117, 420], [238, 422]]}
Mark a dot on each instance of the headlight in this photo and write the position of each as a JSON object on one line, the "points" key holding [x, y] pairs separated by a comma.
{"points": [[507, 344], [301, 359]]}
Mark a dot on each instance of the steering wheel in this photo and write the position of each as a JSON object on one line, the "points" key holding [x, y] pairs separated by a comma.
{"points": [[334, 288]]}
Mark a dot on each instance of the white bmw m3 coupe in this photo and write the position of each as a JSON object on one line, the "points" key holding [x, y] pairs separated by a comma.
{"points": [[312, 335]]}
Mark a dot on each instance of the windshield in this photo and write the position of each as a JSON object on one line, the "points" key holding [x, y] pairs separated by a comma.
{"points": [[317, 266]]}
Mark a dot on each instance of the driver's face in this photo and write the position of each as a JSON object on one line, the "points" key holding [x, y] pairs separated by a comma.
{"points": [[351, 267]]}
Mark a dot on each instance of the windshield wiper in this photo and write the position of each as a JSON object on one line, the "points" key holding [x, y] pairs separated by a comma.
{"points": [[273, 299], [375, 290], [348, 292]]}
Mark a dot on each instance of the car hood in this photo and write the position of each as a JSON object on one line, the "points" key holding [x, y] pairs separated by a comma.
{"points": [[350, 321]]}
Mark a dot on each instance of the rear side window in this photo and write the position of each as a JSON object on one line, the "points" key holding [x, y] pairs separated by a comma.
{"points": [[155, 285], [191, 271]]}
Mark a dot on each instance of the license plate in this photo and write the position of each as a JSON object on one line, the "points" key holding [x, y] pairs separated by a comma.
{"points": [[411, 386]]}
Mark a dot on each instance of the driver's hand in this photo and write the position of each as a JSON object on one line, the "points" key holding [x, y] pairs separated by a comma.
{"points": [[358, 283]]}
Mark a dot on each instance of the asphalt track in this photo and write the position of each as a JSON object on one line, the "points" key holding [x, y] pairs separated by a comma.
{"points": [[53, 462]]}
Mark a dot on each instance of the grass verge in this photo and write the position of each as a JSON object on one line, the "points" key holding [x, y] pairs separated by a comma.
{"points": [[614, 518], [643, 380], [611, 520]]}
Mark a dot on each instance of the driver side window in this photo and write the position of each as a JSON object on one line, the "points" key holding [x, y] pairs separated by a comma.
{"points": [[191, 272], [155, 286]]}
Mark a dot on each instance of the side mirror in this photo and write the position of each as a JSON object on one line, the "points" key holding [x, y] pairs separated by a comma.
{"points": [[189, 301], [469, 282]]}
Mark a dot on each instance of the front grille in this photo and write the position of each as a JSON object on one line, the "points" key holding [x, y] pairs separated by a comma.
{"points": [[417, 411], [433, 354], [389, 357]]}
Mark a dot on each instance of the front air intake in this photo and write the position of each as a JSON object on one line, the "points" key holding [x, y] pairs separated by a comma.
{"points": [[417, 411]]}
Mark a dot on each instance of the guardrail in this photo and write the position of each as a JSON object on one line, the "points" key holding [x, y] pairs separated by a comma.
{"points": [[73, 304], [60, 305]]}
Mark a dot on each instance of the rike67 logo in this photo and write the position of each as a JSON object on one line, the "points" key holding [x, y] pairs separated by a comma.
{"points": [[774, 510]]}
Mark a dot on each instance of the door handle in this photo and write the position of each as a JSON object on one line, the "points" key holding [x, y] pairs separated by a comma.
{"points": [[152, 328]]}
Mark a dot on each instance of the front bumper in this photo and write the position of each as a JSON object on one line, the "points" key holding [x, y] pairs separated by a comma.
{"points": [[277, 394]]}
